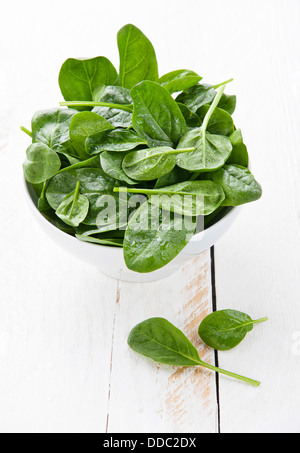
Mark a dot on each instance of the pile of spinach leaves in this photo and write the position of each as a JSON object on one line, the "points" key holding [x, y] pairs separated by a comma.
{"points": [[132, 133]]}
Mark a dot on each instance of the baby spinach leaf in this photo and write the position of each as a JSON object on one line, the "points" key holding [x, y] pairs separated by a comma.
{"points": [[154, 237], [239, 153], [137, 57], [79, 78], [173, 177], [84, 125], [225, 329], [190, 198], [111, 162], [116, 117], [118, 140], [95, 240], [197, 96], [220, 122], [238, 183], [41, 163], [179, 80], [112, 95], [151, 163], [51, 127], [211, 151], [156, 116], [228, 103], [192, 120], [74, 208], [161, 341]]}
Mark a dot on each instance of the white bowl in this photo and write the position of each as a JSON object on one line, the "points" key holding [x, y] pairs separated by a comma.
{"points": [[110, 259]]}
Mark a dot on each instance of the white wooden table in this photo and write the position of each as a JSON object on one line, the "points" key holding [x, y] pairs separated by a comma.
{"points": [[64, 360]]}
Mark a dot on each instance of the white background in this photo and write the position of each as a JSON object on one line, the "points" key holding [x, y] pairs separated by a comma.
{"points": [[65, 365]]}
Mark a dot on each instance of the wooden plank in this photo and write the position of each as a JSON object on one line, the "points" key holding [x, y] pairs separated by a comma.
{"points": [[258, 261], [146, 396]]}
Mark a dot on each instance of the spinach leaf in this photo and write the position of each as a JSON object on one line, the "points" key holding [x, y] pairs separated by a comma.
{"points": [[192, 120], [74, 208], [179, 80], [161, 341], [225, 329], [51, 127], [151, 163], [211, 151], [84, 125], [228, 103], [239, 153], [197, 96], [220, 122], [111, 162], [94, 240], [41, 163], [190, 198], [154, 237], [118, 140], [137, 57], [79, 78], [156, 116], [116, 117], [238, 183], [112, 95], [173, 177]]}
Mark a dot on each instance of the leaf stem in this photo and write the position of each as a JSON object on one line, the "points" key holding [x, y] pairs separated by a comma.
{"points": [[212, 109], [223, 83], [230, 374], [126, 108], [257, 321], [76, 195], [149, 191], [26, 131]]}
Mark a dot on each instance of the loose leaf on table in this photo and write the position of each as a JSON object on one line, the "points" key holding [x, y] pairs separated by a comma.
{"points": [[179, 80], [239, 154], [137, 57], [225, 329], [41, 163], [220, 122], [51, 127], [83, 126], [154, 238], [211, 151], [161, 341], [238, 183], [74, 208], [156, 116], [151, 163], [190, 198], [111, 163], [79, 78], [118, 140]]}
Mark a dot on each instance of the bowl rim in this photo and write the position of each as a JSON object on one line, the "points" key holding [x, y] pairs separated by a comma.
{"points": [[50, 225]]}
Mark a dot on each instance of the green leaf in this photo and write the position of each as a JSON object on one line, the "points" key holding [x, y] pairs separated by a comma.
{"points": [[239, 155], [179, 80], [225, 329], [41, 163], [95, 240], [220, 122], [151, 163], [228, 103], [79, 78], [154, 238], [118, 140], [116, 117], [211, 151], [74, 208], [112, 95], [111, 162], [192, 120], [83, 126], [162, 342], [173, 177], [197, 96], [51, 127], [238, 183], [190, 198], [156, 116], [137, 57]]}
